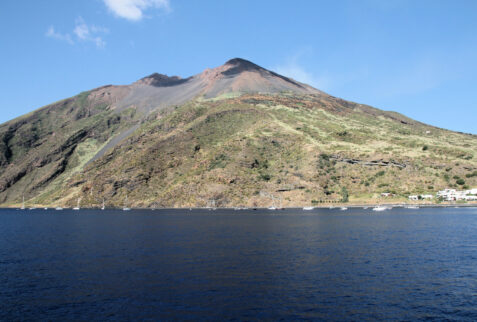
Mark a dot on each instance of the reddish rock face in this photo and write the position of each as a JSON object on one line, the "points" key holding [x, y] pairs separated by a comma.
{"points": [[158, 91]]}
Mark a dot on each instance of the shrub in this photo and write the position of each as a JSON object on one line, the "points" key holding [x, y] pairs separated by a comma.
{"points": [[425, 148], [460, 182], [265, 177], [470, 175], [344, 194]]}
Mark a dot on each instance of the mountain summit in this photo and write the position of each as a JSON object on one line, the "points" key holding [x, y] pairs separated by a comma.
{"points": [[238, 134], [236, 76]]}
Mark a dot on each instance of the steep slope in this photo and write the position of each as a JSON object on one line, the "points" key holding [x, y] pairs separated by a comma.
{"points": [[240, 151], [39, 150], [236, 76], [236, 134]]}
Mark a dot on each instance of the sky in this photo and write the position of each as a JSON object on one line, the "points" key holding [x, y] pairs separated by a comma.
{"points": [[418, 58]]}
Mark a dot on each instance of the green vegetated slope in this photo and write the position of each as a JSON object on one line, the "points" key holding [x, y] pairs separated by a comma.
{"points": [[40, 151], [239, 151]]}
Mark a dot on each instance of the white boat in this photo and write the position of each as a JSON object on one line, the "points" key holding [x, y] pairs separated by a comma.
{"points": [[379, 208], [78, 205], [45, 208], [211, 205], [365, 207], [58, 208], [125, 208], [103, 207], [343, 208], [308, 208], [412, 207], [272, 208]]}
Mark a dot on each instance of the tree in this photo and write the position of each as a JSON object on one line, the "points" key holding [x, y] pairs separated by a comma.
{"points": [[344, 194]]}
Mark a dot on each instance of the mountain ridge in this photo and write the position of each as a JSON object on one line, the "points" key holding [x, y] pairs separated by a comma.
{"points": [[234, 133]]}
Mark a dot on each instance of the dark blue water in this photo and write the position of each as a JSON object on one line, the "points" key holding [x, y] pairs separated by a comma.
{"points": [[401, 264]]}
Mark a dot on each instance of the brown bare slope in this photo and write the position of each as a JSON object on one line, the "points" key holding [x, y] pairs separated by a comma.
{"points": [[235, 76]]}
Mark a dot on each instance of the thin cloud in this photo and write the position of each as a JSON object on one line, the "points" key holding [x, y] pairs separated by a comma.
{"points": [[82, 32], [52, 33], [134, 9], [85, 32], [294, 70]]}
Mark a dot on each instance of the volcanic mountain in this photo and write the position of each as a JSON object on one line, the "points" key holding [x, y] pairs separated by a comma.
{"points": [[238, 134]]}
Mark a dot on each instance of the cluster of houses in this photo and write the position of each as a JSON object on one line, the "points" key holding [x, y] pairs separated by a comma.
{"points": [[421, 197], [449, 195], [455, 195]]}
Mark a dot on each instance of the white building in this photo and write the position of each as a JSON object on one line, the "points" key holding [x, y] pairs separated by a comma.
{"points": [[413, 197], [455, 195]]}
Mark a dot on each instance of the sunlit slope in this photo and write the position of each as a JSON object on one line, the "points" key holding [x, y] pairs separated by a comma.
{"points": [[236, 134], [301, 148]]}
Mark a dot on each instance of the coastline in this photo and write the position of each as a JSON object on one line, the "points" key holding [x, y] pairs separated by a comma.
{"points": [[328, 206]]}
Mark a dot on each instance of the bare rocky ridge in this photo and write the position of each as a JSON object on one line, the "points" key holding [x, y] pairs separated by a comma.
{"points": [[237, 75]]}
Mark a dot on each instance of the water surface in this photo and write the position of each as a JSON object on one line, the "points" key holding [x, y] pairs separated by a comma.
{"points": [[401, 264]]}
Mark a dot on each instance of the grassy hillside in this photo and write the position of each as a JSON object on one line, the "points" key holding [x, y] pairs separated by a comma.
{"points": [[41, 150], [240, 150]]}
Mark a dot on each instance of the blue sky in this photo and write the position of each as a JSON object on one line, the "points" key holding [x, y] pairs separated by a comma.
{"points": [[418, 58]]}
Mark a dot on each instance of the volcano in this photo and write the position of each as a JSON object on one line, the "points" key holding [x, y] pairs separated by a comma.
{"points": [[238, 134]]}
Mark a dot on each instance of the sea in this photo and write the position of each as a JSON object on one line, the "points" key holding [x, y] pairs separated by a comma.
{"points": [[324, 264]]}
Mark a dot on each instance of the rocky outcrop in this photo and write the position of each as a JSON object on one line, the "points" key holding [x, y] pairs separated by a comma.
{"points": [[371, 163]]}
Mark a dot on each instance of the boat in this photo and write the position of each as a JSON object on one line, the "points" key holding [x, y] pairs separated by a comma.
{"points": [[281, 206], [78, 205], [412, 207], [125, 208], [23, 204], [45, 208], [103, 207], [272, 208], [365, 207], [58, 208], [379, 208], [211, 205], [343, 208], [308, 208]]}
